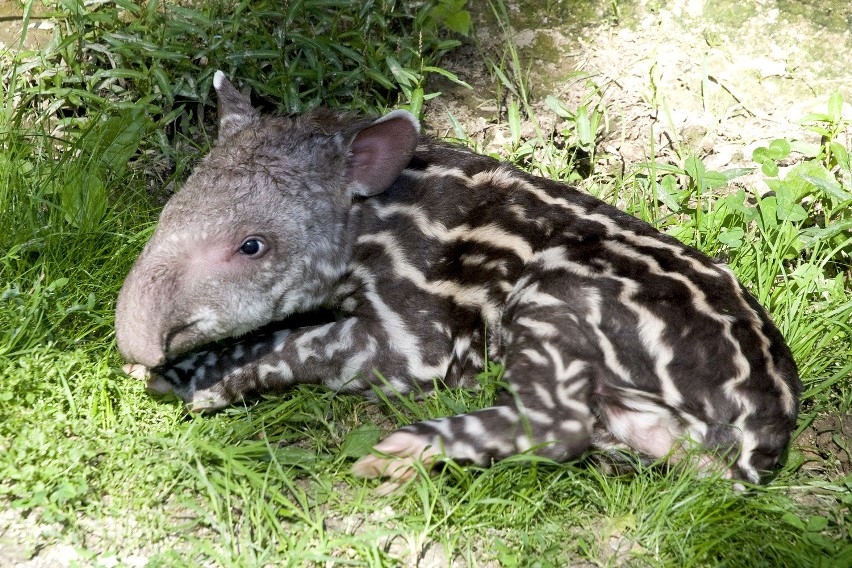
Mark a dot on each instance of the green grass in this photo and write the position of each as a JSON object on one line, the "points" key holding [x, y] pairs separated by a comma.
{"points": [[88, 459]]}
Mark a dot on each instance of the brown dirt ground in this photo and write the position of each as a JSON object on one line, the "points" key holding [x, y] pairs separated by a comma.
{"points": [[713, 81], [826, 446]]}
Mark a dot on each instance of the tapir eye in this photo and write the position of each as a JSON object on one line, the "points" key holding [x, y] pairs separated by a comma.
{"points": [[252, 247]]}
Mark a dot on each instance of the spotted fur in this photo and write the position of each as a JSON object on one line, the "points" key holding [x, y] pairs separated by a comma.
{"points": [[401, 255]]}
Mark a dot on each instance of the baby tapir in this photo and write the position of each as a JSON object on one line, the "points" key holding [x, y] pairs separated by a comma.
{"points": [[430, 257]]}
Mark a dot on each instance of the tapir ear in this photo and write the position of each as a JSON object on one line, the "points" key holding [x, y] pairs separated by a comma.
{"points": [[380, 151], [235, 111]]}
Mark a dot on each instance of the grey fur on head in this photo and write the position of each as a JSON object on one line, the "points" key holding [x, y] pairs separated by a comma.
{"points": [[287, 183]]}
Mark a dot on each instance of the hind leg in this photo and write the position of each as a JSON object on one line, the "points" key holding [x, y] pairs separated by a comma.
{"points": [[551, 367]]}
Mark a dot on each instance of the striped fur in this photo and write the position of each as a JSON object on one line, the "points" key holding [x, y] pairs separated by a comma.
{"points": [[612, 334]]}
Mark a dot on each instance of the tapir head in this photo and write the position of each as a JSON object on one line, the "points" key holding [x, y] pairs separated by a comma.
{"points": [[260, 230]]}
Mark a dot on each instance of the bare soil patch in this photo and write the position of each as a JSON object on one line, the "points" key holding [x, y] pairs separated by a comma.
{"points": [[712, 79], [826, 446]]}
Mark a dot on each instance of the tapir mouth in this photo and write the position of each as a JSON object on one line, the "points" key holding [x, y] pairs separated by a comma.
{"points": [[181, 342], [174, 343]]}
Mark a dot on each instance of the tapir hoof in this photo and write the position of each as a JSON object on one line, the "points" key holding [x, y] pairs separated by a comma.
{"points": [[396, 459]]}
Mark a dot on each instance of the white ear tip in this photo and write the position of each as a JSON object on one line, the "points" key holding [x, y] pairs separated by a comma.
{"points": [[400, 113], [218, 80]]}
